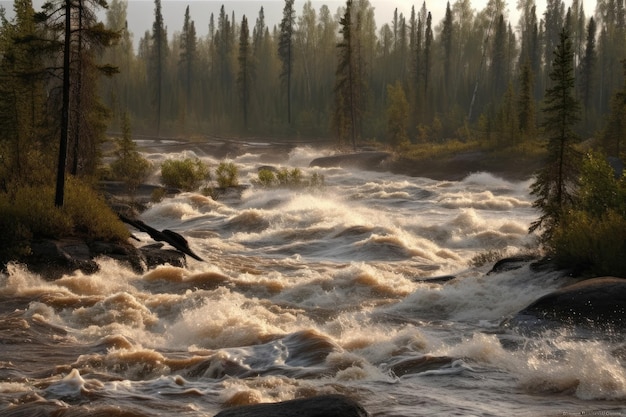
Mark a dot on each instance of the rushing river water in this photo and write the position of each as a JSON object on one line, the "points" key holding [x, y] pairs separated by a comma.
{"points": [[306, 292]]}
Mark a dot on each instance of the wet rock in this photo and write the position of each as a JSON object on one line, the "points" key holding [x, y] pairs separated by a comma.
{"points": [[320, 406], [154, 256], [361, 160], [511, 263], [435, 280], [420, 364], [54, 258], [593, 303]]}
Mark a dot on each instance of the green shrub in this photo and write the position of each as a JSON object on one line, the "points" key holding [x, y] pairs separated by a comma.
{"points": [[593, 246], [289, 178], [131, 168], [227, 175], [187, 174], [591, 239], [267, 178], [28, 212], [158, 194], [90, 215], [317, 180]]}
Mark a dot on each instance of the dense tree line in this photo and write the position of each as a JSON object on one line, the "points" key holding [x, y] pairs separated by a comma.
{"points": [[44, 115], [475, 74]]}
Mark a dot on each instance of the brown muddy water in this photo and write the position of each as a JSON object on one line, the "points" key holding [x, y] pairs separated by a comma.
{"points": [[305, 292]]}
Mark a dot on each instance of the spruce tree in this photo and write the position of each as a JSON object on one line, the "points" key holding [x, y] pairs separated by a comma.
{"points": [[158, 61], [345, 116], [187, 62], [526, 102], [245, 69], [555, 182], [446, 42], [22, 97], [397, 115], [588, 66], [612, 136], [285, 50]]}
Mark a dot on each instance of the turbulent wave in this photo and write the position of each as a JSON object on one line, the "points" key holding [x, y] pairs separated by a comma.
{"points": [[308, 292]]}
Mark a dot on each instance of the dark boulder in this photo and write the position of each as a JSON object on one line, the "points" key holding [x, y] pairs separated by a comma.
{"points": [[420, 364], [154, 256], [320, 406], [511, 263], [53, 258], [598, 303]]}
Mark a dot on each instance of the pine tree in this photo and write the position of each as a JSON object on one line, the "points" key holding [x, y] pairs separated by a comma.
{"points": [[187, 62], [158, 55], [526, 103], [71, 30], [588, 66], [345, 116], [397, 115], [498, 60], [555, 182], [245, 69], [22, 97], [612, 136], [285, 50], [428, 45], [446, 42]]}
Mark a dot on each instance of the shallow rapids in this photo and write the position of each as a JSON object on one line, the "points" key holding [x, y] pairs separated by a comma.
{"points": [[304, 292]]}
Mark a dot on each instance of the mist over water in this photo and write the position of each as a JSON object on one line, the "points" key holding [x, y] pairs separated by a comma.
{"points": [[305, 292]]}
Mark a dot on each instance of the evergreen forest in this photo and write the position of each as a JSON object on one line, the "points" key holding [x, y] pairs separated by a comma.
{"points": [[475, 75]]}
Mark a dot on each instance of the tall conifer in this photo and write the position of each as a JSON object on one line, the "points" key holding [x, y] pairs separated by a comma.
{"points": [[555, 183]]}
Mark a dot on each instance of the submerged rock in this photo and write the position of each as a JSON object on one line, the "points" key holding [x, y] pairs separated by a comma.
{"points": [[320, 406], [511, 263], [597, 303], [420, 364]]}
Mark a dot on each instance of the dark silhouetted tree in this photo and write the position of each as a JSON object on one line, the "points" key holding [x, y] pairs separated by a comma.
{"points": [[285, 50], [245, 69], [556, 181]]}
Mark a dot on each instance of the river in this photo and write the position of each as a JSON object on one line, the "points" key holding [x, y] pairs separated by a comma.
{"points": [[305, 292]]}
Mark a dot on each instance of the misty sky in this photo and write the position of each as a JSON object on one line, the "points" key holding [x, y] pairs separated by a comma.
{"points": [[141, 12]]}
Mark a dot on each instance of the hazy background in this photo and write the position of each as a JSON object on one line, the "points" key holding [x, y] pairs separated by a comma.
{"points": [[141, 12]]}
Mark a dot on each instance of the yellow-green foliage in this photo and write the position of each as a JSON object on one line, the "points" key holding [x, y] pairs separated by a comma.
{"points": [[90, 215], [592, 245], [29, 211], [267, 177], [187, 174], [397, 115], [227, 175], [289, 178], [130, 167], [591, 237]]}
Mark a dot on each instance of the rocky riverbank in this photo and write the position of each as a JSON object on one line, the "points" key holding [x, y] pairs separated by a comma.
{"points": [[451, 168]]}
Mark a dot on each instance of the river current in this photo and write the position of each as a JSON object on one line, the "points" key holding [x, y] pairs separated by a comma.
{"points": [[310, 291]]}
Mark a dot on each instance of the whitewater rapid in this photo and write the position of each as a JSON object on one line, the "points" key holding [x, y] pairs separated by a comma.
{"points": [[310, 291]]}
